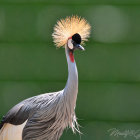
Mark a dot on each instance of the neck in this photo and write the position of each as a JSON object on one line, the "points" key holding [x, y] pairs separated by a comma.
{"points": [[71, 88]]}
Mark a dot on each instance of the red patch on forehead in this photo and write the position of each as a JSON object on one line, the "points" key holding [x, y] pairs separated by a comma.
{"points": [[71, 56]]}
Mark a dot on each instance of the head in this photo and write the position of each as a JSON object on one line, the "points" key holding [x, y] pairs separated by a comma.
{"points": [[70, 32], [74, 42]]}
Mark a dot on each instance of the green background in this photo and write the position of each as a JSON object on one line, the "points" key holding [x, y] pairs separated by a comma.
{"points": [[109, 69]]}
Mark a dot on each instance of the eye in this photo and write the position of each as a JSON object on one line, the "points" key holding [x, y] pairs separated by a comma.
{"points": [[70, 45]]}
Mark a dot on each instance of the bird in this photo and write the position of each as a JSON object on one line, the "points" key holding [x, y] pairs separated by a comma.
{"points": [[45, 116]]}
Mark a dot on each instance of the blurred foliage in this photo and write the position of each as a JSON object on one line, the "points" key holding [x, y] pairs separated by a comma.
{"points": [[109, 69]]}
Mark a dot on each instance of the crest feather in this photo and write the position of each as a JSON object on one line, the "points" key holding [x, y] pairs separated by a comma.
{"points": [[67, 27]]}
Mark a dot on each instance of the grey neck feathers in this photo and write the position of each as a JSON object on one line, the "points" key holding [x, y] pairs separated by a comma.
{"points": [[71, 88]]}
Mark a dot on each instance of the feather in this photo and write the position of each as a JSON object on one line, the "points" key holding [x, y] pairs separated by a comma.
{"points": [[66, 28], [11, 132]]}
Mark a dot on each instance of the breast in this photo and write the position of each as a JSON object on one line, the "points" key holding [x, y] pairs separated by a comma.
{"points": [[12, 132]]}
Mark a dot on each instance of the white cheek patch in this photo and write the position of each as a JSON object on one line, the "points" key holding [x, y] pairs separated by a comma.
{"points": [[70, 45]]}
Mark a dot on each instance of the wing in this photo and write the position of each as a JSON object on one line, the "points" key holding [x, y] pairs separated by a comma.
{"points": [[36, 118], [24, 110], [12, 124], [17, 115]]}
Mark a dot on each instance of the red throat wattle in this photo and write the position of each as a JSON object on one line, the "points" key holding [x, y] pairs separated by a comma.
{"points": [[71, 56]]}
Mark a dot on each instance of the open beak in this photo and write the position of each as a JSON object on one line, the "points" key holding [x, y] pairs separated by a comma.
{"points": [[78, 46]]}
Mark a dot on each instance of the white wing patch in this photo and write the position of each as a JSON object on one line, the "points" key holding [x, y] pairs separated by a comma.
{"points": [[11, 132]]}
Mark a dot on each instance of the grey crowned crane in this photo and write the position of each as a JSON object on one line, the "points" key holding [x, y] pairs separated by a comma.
{"points": [[44, 117]]}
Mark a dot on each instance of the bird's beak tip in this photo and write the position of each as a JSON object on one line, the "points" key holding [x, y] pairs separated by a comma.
{"points": [[84, 49], [81, 48]]}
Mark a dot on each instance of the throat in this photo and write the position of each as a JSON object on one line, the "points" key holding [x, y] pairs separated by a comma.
{"points": [[71, 56]]}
